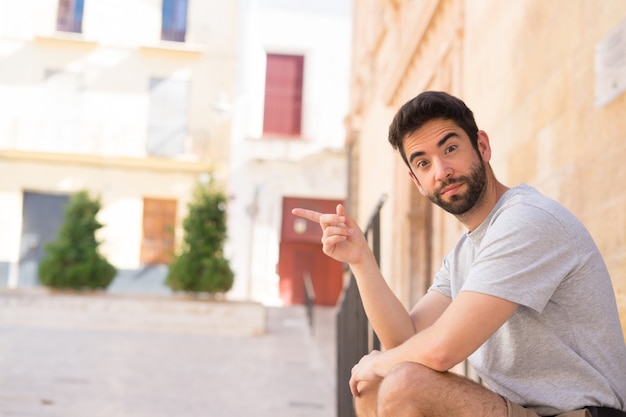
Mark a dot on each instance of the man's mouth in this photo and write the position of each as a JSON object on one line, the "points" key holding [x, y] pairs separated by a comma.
{"points": [[450, 189]]}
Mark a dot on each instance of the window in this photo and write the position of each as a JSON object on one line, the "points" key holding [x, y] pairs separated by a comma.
{"points": [[167, 123], [283, 95], [61, 113], [159, 220], [70, 16], [174, 23]]}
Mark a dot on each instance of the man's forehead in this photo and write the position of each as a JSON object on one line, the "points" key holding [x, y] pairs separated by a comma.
{"points": [[433, 130]]}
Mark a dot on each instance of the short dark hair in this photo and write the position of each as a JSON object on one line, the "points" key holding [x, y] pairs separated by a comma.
{"points": [[427, 106]]}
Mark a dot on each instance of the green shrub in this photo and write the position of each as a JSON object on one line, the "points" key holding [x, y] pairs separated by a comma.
{"points": [[72, 261], [200, 265]]}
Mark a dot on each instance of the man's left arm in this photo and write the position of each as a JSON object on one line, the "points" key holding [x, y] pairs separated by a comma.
{"points": [[464, 326]]}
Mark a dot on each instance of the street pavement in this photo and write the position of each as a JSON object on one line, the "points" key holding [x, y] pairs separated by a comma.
{"points": [[61, 366]]}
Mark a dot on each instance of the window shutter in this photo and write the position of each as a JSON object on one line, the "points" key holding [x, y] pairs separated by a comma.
{"points": [[70, 16], [174, 20], [159, 220], [283, 95]]}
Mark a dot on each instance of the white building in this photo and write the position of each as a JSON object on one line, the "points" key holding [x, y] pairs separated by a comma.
{"points": [[123, 99], [136, 101], [288, 127]]}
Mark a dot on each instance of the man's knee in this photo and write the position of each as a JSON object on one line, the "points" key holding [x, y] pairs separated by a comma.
{"points": [[405, 388], [407, 376]]}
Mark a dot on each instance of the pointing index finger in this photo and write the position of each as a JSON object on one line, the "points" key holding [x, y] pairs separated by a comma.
{"points": [[312, 215]]}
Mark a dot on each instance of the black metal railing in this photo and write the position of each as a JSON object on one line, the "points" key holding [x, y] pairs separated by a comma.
{"points": [[355, 337], [309, 299]]}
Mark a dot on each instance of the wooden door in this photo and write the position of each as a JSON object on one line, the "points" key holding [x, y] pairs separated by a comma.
{"points": [[159, 220], [301, 255]]}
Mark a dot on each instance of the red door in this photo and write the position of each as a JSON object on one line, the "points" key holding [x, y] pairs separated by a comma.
{"points": [[301, 256]]}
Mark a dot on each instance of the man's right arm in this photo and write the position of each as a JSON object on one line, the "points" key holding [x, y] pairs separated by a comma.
{"points": [[389, 318], [344, 241]]}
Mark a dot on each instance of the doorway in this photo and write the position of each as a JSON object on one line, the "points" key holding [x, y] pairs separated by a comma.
{"points": [[301, 257], [42, 217]]}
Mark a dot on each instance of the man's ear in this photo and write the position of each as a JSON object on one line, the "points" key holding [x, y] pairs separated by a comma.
{"points": [[417, 183], [484, 148]]}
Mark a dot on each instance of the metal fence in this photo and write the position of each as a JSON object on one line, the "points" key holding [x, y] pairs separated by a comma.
{"points": [[355, 338], [309, 299]]}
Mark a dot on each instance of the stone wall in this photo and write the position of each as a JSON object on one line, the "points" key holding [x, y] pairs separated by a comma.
{"points": [[527, 70]]}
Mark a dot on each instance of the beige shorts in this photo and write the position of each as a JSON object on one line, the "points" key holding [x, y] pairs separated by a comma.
{"points": [[516, 410]]}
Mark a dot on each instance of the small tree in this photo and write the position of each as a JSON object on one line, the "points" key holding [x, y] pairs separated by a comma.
{"points": [[72, 261], [200, 266]]}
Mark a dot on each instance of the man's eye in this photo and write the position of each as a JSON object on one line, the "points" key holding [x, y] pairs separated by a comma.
{"points": [[451, 148], [421, 164]]}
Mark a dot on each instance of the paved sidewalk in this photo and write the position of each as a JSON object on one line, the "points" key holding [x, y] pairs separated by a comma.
{"points": [[49, 369]]}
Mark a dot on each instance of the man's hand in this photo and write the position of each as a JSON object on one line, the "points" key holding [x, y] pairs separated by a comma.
{"points": [[342, 238], [364, 371]]}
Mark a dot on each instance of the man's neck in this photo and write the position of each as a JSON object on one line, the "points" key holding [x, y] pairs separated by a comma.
{"points": [[494, 190]]}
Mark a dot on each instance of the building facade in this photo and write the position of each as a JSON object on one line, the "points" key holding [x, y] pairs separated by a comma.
{"points": [[287, 143], [127, 100], [545, 80]]}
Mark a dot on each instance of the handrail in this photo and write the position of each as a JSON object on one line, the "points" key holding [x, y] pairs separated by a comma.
{"points": [[355, 338], [309, 297], [375, 216]]}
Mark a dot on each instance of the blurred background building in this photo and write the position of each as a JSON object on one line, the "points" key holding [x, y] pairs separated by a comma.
{"points": [[288, 145], [128, 100], [137, 101]]}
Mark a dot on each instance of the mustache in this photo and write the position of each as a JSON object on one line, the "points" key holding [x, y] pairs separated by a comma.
{"points": [[448, 183]]}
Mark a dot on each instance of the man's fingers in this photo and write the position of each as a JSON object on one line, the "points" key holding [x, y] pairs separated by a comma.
{"points": [[314, 216], [353, 387], [324, 220]]}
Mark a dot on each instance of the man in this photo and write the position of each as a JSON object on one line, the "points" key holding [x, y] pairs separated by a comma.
{"points": [[524, 294]]}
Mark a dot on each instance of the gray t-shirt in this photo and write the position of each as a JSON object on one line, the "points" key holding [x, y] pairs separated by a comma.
{"points": [[563, 348]]}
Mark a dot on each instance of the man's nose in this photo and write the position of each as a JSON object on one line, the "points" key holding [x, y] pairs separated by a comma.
{"points": [[443, 170]]}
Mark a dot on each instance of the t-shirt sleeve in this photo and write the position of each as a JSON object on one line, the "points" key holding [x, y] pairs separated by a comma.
{"points": [[523, 257], [441, 283]]}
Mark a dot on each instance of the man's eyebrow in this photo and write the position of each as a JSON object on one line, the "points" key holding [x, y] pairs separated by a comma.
{"points": [[439, 144]]}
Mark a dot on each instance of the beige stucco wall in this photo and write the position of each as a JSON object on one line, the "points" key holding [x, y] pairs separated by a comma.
{"points": [[120, 185], [529, 77], [115, 57], [526, 68]]}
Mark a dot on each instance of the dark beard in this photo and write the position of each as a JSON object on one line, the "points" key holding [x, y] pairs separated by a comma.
{"points": [[462, 203]]}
